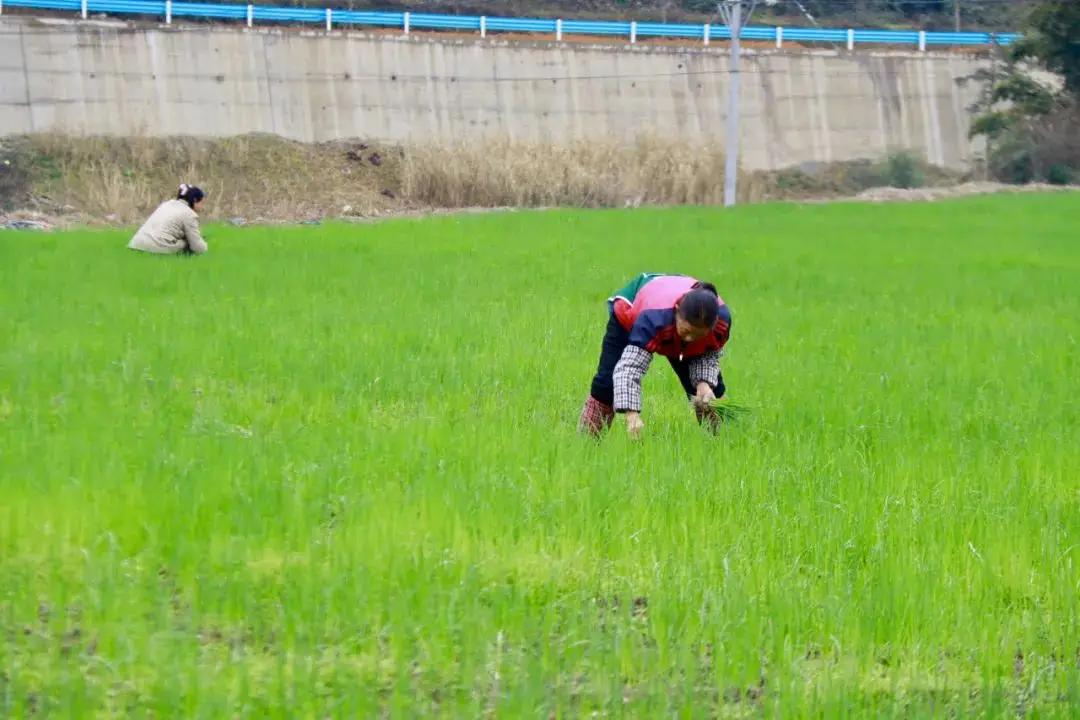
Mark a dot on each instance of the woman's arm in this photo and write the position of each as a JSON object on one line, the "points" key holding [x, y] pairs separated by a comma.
{"points": [[627, 376], [193, 235], [706, 369]]}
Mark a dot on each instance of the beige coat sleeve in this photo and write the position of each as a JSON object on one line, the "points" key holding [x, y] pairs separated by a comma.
{"points": [[193, 234]]}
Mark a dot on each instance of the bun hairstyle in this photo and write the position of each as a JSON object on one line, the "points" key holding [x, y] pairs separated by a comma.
{"points": [[190, 194], [699, 307]]}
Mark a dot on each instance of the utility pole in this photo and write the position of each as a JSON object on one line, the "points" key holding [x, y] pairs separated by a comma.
{"points": [[956, 14], [731, 10], [731, 147]]}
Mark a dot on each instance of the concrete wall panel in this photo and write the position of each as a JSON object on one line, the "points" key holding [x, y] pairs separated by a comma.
{"points": [[797, 106]]}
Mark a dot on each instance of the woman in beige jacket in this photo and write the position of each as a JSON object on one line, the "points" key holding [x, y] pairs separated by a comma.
{"points": [[174, 226]]}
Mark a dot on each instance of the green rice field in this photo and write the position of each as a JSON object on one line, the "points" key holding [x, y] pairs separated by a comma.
{"points": [[334, 471]]}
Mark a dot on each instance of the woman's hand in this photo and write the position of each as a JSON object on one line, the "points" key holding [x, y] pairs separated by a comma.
{"points": [[634, 424], [704, 395]]}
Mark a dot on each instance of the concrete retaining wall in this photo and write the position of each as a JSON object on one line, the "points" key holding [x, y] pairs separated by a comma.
{"points": [[121, 78]]}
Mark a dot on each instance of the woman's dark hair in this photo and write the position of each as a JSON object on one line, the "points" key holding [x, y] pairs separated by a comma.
{"points": [[190, 194], [699, 307]]}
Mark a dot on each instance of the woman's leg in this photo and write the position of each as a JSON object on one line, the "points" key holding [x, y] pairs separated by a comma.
{"points": [[682, 370], [598, 413]]}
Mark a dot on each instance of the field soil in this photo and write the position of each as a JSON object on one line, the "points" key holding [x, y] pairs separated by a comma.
{"points": [[77, 181]]}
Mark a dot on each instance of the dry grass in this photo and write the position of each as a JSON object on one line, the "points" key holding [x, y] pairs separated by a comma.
{"points": [[584, 173], [266, 178], [252, 176]]}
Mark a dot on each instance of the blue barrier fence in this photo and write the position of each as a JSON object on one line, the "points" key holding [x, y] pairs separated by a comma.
{"points": [[406, 21]]}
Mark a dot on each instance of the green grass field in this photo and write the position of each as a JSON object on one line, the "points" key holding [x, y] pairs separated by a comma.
{"points": [[334, 470]]}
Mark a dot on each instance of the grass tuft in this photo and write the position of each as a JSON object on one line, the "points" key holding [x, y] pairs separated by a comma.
{"points": [[730, 411]]}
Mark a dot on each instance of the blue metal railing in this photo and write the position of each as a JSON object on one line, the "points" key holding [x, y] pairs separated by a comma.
{"points": [[407, 21]]}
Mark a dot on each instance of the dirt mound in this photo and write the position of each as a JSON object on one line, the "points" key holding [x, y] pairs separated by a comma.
{"points": [[892, 194]]}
